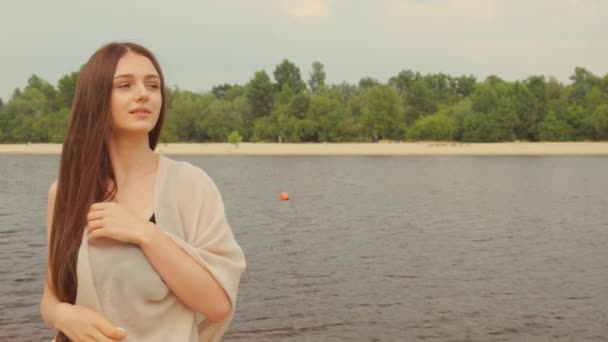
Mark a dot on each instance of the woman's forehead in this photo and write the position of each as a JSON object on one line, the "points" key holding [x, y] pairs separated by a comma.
{"points": [[132, 64]]}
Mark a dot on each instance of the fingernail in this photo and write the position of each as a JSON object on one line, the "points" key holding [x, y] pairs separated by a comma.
{"points": [[121, 331]]}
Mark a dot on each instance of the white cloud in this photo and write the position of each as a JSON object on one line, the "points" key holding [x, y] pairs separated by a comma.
{"points": [[308, 8], [483, 10], [586, 8]]}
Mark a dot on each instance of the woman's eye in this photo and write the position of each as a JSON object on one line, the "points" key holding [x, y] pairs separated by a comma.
{"points": [[124, 85], [154, 86]]}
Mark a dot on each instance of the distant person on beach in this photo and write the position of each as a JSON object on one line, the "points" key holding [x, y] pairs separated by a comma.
{"points": [[139, 246]]}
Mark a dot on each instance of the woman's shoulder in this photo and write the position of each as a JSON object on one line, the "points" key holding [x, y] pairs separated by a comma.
{"points": [[53, 189], [187, 174]]}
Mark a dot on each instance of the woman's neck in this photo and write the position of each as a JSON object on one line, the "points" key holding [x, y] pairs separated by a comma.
{"points": [[131, 157]]}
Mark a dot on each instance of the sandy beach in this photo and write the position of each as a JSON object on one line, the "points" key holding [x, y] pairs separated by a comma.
{"points": [[321, 149]]}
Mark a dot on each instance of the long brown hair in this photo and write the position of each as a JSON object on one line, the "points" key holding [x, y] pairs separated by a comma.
{"points": [[85, 169]]}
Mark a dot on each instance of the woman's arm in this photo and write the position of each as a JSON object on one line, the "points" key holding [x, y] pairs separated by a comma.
{"points": [[204, 284], [184, 276], [50, 306], [51, 309], [188, 280], [75, 321]]}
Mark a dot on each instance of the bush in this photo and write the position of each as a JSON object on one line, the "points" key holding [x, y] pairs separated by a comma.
{"points": [[235, 138], [437, 127]]}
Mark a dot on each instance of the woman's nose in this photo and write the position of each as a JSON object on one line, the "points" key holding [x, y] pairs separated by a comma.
{"points": [[142, 93]]}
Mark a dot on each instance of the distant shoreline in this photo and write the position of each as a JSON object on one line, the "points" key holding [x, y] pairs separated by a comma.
{"points": [[322, 149]]}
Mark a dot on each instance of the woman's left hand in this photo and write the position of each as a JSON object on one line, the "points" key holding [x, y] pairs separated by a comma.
{"points": [[110, 220]]}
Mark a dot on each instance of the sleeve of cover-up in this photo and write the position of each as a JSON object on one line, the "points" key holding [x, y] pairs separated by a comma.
{"points": [[208, 237]]}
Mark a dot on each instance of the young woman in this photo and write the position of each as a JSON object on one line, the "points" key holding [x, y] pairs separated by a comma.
{"points": [[139, 245]]}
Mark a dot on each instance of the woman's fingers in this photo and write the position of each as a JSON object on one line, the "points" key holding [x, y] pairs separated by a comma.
{"points": [[93, 235], [100, 205], [110, 331], [99, 337], [95, 215], [95, 224], [83, 324], [94, 229], [95, 220]]}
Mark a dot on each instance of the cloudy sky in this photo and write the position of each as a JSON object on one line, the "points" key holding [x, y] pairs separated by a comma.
{"points": [[201, 43]]}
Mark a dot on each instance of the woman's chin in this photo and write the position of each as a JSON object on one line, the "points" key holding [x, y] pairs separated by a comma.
{"points": [[139, 129]]}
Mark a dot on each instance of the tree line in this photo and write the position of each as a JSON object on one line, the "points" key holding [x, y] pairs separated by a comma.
{"points": [[286, 107]]}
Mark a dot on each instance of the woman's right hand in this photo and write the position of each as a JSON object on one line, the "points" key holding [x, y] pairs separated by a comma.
{"points": [[81, 324]]}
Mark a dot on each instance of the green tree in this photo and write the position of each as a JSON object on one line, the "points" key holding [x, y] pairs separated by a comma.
{"points": [[289, 73], [285, 96], [47, 90], [218, 120], [30, 102], [357, 104], [465, 85], [457, 114], [554, 89], [260, 95], [553, 129], [574, 116], [66, 88], [306, 130], [526, 107], [316, 79], [38, 97], [494, 80], [485, 99], [368, 82], [299, 105], [431, 106], [598, 122], [382, 113], [326, 120], [184, 117], [593, 99], [436, 127], [221, 91], [235, 138], [419, 101], [346, 92], [265, 129], [403, 80], [241, 106], [582, 81], [235, 92], [287, 129], [483, 127], [441, 86], [51, 127], [22, 131]]}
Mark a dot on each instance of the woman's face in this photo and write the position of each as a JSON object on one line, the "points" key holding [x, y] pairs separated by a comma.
{"points": [[136, 94]]}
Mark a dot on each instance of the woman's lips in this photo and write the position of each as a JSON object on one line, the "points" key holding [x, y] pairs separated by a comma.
{"points": [[140, 112]]}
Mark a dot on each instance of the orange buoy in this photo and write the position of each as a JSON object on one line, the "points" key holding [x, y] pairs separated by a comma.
{"points": [[284, 196]]}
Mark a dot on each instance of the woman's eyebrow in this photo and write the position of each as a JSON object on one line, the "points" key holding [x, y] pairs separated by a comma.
{"points": [[131, 76]]}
